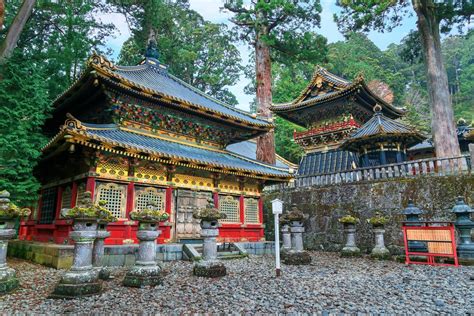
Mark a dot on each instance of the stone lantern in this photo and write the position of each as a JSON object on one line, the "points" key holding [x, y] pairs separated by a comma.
{"points": [[412, 214], [9, 212], [378, 227], [146, 272], [297, 255], [209, 266], [286, 235], [105, 217], [81, 279], [464, 225]]}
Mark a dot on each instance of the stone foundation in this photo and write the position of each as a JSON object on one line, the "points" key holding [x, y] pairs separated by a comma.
{"points": [[297, 258], [60, 256], [209, 269]]}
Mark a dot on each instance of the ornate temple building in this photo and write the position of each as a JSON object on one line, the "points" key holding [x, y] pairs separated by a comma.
{"points": [[331, 109], [137, 133]]}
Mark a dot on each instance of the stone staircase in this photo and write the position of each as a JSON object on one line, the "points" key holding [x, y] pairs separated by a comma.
{"points": [[225, 251]]}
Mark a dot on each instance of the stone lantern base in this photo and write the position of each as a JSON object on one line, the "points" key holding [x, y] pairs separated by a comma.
{"points": [[139, 276], [77, 283], [380, 253], [297, 258], [8, 280], [209, 269], [350, 252]]}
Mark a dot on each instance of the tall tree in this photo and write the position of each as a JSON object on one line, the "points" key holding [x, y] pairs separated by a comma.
{"points": [[14, 30], [24, 100], [385, 15], [280, 25], [199, 52]]}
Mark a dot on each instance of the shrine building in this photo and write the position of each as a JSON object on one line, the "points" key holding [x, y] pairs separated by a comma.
{"points": [[130, 134], [333, 109]]}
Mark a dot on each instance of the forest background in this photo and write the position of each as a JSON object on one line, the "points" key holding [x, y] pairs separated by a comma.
{"points": [[59, 37]]}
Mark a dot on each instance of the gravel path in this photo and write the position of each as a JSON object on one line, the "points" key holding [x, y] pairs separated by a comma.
{"points": [[329, 285]]}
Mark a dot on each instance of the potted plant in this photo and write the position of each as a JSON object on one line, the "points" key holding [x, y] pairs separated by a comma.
{"points": [[84, 215], [209, 216], [378, 220]]}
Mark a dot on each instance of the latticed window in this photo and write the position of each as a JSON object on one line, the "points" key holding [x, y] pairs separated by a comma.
{"points": [[48, 206], [144, 195], [251, 211], [115, 195], [66, 198], [230, 206]]}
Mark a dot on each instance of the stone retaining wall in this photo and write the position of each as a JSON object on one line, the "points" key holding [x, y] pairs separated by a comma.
{"points": [[325, 205]]}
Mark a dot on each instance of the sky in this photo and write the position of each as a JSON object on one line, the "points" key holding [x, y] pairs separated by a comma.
{"points": [[210, 10]]}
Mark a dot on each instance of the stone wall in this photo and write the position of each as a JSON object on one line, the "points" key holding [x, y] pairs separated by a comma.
{"points": [[324, 205]]}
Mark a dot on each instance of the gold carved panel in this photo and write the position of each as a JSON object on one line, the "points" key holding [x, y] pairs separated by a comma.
{"points": [[192, 182]]}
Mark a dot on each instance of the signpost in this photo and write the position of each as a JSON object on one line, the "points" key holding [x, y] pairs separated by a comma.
{"points": [[277, 209]]}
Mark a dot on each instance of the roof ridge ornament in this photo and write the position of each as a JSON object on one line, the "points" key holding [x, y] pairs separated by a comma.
{"points": [[100, 61], [72, 123], [152, 46]]}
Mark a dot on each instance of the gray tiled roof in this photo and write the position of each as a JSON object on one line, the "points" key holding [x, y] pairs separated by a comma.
{"points": [[154, 76], [379, 125], [327, 162], [163, 148], [249, 149]]}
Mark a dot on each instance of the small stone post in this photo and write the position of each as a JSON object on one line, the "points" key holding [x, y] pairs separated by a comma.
{"points": [[464, 225], [81, 279], [209, 266], [98, 251], [146, 271], [350, 249], [8, 279], [297, 254]]}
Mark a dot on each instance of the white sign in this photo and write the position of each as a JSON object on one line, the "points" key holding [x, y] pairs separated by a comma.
{"points": [[277, 206]]}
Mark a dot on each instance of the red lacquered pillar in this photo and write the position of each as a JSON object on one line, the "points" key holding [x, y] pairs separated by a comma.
{"points": [[59, 201], [90, 185], [73, 194]]}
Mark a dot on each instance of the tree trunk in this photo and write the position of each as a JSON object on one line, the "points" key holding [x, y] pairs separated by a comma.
{"points": [[443, 126], [15, 29], [263, 70], [2, 14]]}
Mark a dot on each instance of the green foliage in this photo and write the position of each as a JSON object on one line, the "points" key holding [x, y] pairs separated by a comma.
{"points": [[10, 210], [378, 219], [348, 219], [197, 51], [150, 214], [24, 105], [209, 213], [85, 209]]}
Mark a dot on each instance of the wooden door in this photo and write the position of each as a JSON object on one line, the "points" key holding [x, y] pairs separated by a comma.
{"points": [[187, 202]]}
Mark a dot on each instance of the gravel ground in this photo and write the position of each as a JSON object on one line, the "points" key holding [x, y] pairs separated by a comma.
{"points": [[329, 285]]}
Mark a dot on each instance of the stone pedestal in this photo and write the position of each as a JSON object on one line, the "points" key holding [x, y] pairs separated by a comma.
{"points": [[297, 255], [350, 249], [8, 279], [98, 252], [286, 237], [82, 279], [209, 266], [145, 272], [380, 251]]}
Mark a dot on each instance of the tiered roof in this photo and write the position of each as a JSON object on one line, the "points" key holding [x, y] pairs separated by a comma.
{"points": [[327, 89], [150, 80], [382, 129]]}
